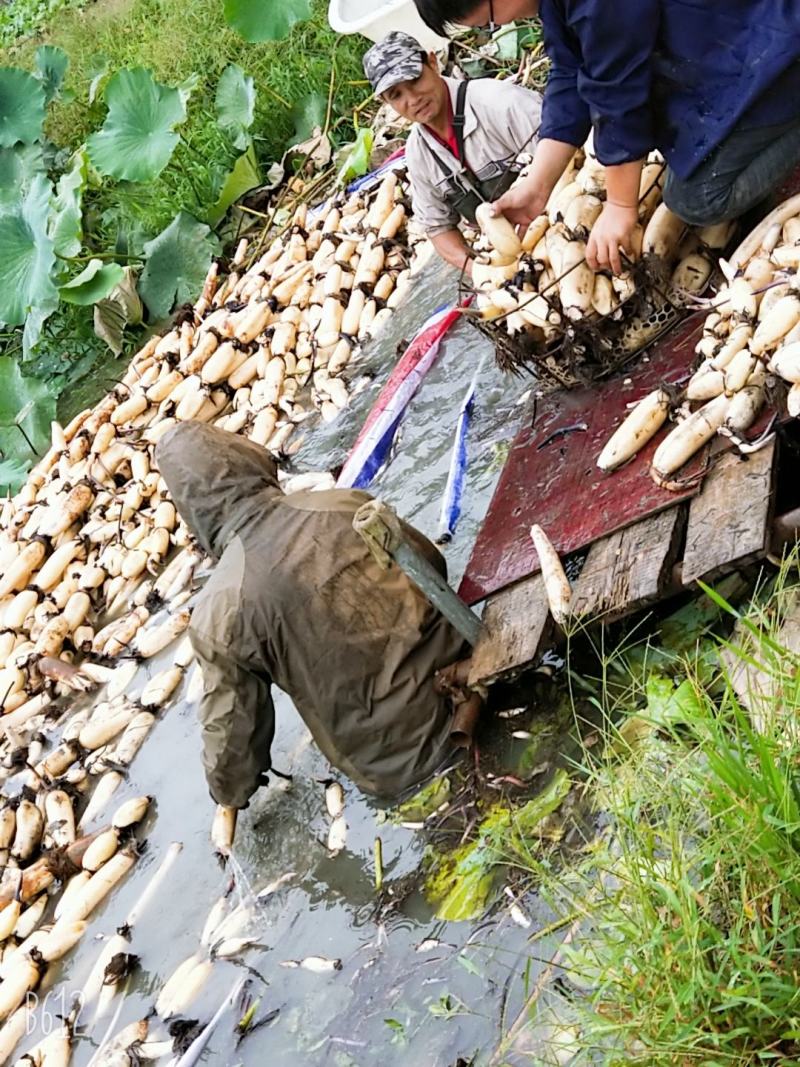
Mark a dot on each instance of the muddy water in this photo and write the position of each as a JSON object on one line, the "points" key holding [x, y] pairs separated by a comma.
{"points": [[414, 480], [389, 1003]]}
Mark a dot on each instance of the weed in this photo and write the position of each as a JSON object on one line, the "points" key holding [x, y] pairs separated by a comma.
{"points": [[312, 72], [689, 947], [175, 39]]}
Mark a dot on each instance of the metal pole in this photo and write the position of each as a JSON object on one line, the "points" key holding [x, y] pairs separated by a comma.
{"points": [[380, 528]]}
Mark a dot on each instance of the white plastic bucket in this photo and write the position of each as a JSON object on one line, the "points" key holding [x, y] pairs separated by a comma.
{"points": [[362, 16]]}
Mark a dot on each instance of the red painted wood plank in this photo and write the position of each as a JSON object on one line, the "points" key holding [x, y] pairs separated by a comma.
{"points": [[558, 485]]}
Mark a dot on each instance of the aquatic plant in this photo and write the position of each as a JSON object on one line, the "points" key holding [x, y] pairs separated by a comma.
{"points": [[686, 950], [461, 882]]}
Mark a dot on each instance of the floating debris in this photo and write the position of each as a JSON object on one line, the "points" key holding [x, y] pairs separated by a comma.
{"points": [[515, 911], [337, 835], [334, 799], [315, 964], [462, 881]]}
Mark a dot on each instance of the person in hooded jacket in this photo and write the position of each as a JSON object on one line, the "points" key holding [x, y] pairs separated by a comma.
{"points": [[297, 599]]}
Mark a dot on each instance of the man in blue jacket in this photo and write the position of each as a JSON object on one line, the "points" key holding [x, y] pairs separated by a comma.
{"points": [[713, 84]]}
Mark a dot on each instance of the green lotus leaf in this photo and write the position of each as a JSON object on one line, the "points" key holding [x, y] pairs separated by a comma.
{"points": [[34, 324], [506, 41], [22, 100], [243, 177], [27, 255], [308, 114], [269, 20], [137, 139], [27, 407], [18, 166], [176, 263], [126, 295], [110, 323], [66, 220], [94, 283], [462, 881], [189, 84], [13, 473], [121, 308], [99, 65], [356, 161], [51, 64], [235, 102]]}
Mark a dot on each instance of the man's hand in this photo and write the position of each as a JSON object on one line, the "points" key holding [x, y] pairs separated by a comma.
{"points": [[58, 670], [453, 249], [614, 230], [524, 201], [528, 196]]}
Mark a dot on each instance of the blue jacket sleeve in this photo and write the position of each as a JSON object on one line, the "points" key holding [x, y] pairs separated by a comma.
{"points": [[565, 116], [609, 53]]}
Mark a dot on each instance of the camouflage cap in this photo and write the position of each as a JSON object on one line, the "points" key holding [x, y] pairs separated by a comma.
{"points": [[399, 57]]}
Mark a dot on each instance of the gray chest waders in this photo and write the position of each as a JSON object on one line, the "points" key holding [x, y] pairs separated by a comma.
{"points": [[464, 192]]}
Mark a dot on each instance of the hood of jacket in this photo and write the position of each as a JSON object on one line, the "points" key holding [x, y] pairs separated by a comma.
{"points": [[216, 490]]}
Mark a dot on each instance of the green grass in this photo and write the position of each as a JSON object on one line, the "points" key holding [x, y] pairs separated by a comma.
{"points": [[689, 948], [24, 17], [176, 38]]}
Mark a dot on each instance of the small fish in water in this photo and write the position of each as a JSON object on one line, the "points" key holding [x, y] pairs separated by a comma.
{"points": [[511, 713], [337, 835], [154, 1050], [316, 964], [334, 799], [428, 945], [362, 383], [516, 912], [522, 735], [273, 887]]}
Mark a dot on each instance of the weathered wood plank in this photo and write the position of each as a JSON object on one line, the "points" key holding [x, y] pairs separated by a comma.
{"points": [[515, 621], [729, 521], [630, 568]]}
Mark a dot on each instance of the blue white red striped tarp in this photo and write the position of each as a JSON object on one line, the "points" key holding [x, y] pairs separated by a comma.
{"points": [[454, 488], [372, 446]]}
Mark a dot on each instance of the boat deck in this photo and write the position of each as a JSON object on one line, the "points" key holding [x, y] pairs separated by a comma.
{"points": [[630, 542]]}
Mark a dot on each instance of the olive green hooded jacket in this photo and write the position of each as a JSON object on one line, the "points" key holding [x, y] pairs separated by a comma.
{"points": [[297, 599]]}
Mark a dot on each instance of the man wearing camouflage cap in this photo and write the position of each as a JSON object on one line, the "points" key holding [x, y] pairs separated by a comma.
{"points": [[466, 142]]}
